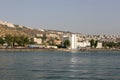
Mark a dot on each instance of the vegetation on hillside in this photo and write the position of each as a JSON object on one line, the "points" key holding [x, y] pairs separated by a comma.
{"points": [[13, 41]]}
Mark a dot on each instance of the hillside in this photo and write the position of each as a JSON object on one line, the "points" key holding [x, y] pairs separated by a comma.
{"points": [[13, 29]]}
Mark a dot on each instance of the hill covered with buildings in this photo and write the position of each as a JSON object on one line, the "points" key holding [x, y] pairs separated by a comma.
{"points": [[13, 35]]}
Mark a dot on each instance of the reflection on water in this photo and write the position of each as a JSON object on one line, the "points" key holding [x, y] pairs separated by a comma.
{"points": [[59, 66]]}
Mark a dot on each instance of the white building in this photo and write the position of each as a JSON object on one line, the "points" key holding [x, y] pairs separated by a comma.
{"points": [[72, 39], [39, 35], [77, 44], [74, 42], [99, 45], [83, 44], [38, 40]]}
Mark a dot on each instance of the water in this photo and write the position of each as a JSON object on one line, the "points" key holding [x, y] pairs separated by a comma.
{"points": [[59, 66]]}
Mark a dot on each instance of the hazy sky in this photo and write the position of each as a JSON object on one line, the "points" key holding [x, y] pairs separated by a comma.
{"points": [[83, 16]]}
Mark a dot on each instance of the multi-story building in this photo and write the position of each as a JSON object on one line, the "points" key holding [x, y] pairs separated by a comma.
{"points": [[75, 43]]}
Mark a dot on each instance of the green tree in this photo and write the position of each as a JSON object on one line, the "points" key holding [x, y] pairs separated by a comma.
{"points": [[95, 43], [2, 41], [14, 40], [9, 40], [31, 41], [92, 43], [20, 40], [24, 40], [111, 44], [67, 43]]}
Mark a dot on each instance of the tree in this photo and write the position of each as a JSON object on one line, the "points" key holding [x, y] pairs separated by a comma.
{"points": [[67, 43], [24, 40], [9, 40], [14, 40], [95, 43], [2, 41], [21, 40], [31, 41], [111, 44], [92, 43]]}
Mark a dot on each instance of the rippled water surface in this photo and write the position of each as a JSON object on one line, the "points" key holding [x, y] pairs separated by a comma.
{"points": [[59, 66]]}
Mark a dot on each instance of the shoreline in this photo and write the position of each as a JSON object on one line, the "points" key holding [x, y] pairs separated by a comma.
{"points": [[51, 49], [25, 49]]}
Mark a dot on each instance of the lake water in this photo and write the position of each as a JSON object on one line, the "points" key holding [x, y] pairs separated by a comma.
{"points": [[55, 65]]}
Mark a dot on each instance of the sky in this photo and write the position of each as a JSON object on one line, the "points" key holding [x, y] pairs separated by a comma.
{"points": [[78, 16]]}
